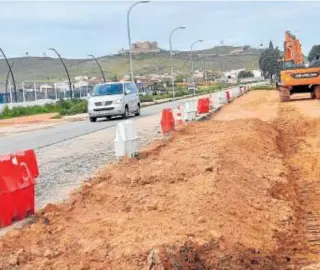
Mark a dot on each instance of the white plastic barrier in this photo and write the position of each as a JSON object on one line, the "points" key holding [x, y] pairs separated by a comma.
{"points": [[190, 111], [126, 141], [215, 101], [237, 92], [222, 97]]}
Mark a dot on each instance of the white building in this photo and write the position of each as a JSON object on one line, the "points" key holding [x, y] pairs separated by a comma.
{"points": [[198, 75], [81, 83], [257, 73], [81, 78], [233, 74], [45, 87], [63, 86]]}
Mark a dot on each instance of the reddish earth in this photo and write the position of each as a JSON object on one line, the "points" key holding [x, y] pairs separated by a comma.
{"points": [[240, 191], [32, 119]]}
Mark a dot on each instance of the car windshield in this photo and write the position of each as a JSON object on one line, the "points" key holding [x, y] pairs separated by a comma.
{"points": [[108, 89]]}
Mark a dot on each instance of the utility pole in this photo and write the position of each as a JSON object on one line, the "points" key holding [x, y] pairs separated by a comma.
{"points": [[172, 77], [7, 79], [192, 69], [97, 62], [129, 34], [65, 68], [12, 76]]}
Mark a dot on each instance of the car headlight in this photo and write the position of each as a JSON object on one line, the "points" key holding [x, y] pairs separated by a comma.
{"points": [[118, 101]]}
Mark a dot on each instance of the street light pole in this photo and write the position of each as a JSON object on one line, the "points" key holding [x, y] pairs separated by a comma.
{"points": [[193, 83], [7, 79], [70, 84], [129, 35], [13, 80], [95, 59], [172, 77]]}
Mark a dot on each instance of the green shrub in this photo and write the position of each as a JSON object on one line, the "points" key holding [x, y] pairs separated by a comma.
{"points": [[146, 98], [63, 107], [76, 107], [163, 96], [264, 87]]}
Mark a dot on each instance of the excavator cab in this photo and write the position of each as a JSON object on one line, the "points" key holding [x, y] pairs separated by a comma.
{"points": [[296, 76]]}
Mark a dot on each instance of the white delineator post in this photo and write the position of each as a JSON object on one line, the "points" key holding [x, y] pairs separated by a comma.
{"points": [[55, 91], [10, 92], [23, 92], [190, 111], [35, 91], [126, 140]]}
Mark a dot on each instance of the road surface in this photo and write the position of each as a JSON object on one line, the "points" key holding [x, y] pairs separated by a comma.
{"points": [[58, 133]]}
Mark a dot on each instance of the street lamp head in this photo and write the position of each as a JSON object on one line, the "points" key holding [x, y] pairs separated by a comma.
{"points": [[182, 27], [51, 49], [200, 40], [144, 2]]}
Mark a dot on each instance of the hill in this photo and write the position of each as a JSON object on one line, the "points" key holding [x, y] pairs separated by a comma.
{"points": [[50, 69]]}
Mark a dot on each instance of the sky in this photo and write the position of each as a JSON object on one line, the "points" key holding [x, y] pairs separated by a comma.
{"points": [[79, 28]]}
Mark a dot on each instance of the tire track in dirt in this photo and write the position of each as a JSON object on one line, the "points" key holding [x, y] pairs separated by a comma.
{"points": [[300, 146]]}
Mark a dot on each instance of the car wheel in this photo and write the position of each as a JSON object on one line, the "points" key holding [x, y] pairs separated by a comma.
{"points": [[92, 119], [108, 117], [126, 113], [138, 111]]}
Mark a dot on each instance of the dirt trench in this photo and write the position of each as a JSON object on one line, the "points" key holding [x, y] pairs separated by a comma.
{"points": [[237, 192], [297, 247], [300, 145]]}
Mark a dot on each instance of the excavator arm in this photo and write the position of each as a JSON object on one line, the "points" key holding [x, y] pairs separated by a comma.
{"points": [[292, 49]]}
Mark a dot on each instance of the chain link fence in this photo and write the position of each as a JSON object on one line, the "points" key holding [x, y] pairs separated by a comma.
{"points": [[34, 91]]}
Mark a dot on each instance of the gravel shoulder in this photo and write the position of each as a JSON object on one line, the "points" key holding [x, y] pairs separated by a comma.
{"points": [[63, 166]]}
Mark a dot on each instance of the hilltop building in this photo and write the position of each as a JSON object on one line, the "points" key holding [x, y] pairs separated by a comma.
{"points": [[142, 47]]}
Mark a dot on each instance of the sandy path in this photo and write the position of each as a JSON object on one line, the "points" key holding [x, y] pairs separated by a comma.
{"points": [[240, 191]]}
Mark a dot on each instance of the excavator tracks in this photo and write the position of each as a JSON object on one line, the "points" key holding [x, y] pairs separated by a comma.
{"points": [[284, 94]]}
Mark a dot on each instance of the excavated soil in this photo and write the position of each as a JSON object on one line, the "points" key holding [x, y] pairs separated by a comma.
{"points": [[240, 191]]}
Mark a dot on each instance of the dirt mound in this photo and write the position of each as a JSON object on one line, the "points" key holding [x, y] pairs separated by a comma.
{"points": [[211, 256], [210, 182], [217, 195]]}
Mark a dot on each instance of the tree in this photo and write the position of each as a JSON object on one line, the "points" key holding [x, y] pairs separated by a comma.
{"points": [[315, 50], [268, 61], [179, 78], [245, 74]]}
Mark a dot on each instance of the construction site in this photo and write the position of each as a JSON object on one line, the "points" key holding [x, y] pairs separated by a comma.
{"points": [[227, 179], [237, 191]]}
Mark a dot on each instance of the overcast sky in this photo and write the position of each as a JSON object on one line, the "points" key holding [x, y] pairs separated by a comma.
{"points": [[78, 28]]}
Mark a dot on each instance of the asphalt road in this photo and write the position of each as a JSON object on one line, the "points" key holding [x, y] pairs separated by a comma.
{"points": [[41, 138]]}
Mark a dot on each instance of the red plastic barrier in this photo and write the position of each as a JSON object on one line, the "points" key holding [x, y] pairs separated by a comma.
{"points": [[203, 105], [17, 180], [228, 95], [167, 121]]}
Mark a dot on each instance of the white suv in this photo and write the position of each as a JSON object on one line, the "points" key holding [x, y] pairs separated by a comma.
{"points": [[113, 99]]}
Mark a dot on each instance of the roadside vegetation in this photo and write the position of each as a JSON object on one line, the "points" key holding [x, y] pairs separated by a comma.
{"points": [[62, 108], [78, 106], [264, 87], [182, 91]]}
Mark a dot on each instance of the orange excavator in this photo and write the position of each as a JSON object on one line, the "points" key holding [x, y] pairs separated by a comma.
{"points": [[296, 76]]}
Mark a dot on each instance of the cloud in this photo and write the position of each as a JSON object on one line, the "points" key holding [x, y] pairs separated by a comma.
{"points": [[59, 11], [76, 27]]}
